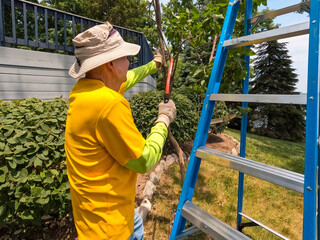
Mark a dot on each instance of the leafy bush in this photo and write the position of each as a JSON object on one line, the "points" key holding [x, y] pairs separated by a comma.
{"points": [[145, 112], [33, 177], [196, 94]]}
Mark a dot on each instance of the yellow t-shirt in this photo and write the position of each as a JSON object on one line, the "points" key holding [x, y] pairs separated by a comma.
{"points": [[100, 139]]}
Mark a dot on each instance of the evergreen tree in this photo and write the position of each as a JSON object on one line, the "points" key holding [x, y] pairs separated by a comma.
{"points": [[274, 75]]}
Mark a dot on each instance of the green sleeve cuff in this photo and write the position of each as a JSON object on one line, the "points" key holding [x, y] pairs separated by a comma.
{"points": [[152, 150], [137, 74]]}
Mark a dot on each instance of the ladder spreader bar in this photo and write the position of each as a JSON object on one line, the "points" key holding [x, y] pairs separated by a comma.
{"points": [[210, 224], [261, 98], [275, 175], [274, 34], [264, 226], [282, 11], [188, 233]]}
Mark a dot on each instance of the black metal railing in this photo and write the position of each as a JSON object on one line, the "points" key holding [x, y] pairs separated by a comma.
{"points": [[33, 25]]}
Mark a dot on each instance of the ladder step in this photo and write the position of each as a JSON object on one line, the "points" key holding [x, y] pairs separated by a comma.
{"points": [[279, 176], [189, 233], [210, 224], [274, 34], [278, 12], [261, 98]]}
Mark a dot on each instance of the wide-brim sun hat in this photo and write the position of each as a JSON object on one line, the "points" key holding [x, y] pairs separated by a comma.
{"points": [[99, 45]]}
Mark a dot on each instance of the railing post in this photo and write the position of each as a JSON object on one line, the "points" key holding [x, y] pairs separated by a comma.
{"points": [[2, 32], [140, 52], [25, 27], [65, 32], [35, 11], [46, 26], [13, 19], [56, 29]]}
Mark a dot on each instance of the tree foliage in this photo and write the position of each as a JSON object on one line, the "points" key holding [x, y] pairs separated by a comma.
{"points": [[274, 75], [193, 30], [131, 14]]}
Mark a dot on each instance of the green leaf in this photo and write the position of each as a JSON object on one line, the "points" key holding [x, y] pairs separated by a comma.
{"points": [[6, 151], [2, 177], [48, 179], [24, 172], [16, 205], [27, 215], [3, 209], [54, 172], [6, 184], [37, 162], [12, 164], [36, 191], [43, 201], [8, 133], [2, 146], [56, 191], [18, 194], [45, 127], [9, 121], [37, 178], [41, 132], [11, 140]]}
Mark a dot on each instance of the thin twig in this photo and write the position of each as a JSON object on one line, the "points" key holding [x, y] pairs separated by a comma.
{"points": [[213, 47]]}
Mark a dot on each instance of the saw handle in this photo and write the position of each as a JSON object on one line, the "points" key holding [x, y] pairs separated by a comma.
{"points": [[167, 91]]}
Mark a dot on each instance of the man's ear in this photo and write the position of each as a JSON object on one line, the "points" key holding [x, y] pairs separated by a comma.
{"points": [[110, 65]]}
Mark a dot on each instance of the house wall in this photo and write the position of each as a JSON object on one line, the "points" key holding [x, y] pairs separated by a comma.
{"points": [[26, 73]]}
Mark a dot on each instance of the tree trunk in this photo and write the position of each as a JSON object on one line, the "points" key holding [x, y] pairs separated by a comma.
{"points": [[172, 140], [179, 152]]}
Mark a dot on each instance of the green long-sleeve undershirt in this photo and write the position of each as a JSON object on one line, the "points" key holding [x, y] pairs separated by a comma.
{"points": [[135, 75], [152, 150]]}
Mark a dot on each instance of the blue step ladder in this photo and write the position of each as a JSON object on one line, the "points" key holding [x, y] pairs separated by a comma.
{"points": [[308, 183]]}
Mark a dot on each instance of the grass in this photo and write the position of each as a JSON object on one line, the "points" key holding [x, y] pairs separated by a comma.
{"points": [[216, 192]]}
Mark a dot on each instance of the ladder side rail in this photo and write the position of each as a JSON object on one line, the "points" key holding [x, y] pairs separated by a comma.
{"points": [[310, 224], [244, 119], [205, 118]]}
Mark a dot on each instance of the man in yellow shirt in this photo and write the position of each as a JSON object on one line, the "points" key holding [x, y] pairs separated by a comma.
{"points": [[104, 148]]}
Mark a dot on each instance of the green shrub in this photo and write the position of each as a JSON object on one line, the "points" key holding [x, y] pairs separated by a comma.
{"points": [[33, 177], [145, 112], [196, 94]]}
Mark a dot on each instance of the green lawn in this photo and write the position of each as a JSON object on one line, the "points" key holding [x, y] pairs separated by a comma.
{"points": [[216, 191]]}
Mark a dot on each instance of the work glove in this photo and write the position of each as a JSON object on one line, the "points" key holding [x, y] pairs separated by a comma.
{"points": [[158, 58], [167, 112]]}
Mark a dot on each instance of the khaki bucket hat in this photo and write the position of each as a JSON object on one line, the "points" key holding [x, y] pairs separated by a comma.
{"points": [[97, 46]]}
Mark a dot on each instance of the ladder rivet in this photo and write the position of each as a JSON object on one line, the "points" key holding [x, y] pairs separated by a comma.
{"points": [[179, 209], [194, 151], [220, 42], [205, 227], [311, 98], [308, 188], [314, 21]]}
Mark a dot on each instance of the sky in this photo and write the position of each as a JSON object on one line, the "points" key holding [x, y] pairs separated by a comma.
{"points": [[297, 46]]}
